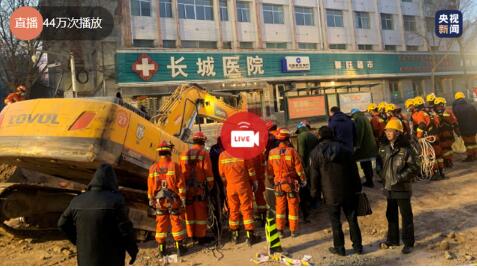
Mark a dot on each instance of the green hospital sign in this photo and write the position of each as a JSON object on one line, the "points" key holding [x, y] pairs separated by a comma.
{"points": [[161, 67]]}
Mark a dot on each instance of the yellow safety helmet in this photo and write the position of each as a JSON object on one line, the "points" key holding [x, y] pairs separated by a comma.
{"points": [[395, 124], [431, 97], [440, 100], [382, 106], [459, 95], [389, 107], [418, 101], [372, 106], [409, 103]]}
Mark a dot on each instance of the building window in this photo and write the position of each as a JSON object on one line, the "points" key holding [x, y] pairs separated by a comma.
{"points": [[365, 47], [276, 45], [273, 14], [224, 15], [430, 24], [143, 43], [412, 48], [334, 18], [165, 8], [304, 16], [243, 11], [337, 46], [227, 45], [362, 20], [387, 21], [407, 1], [246, 45], [195, 9], [390, 47], [409, 23], [307, 45], [198, 44], [141, 8], [169, 43]]}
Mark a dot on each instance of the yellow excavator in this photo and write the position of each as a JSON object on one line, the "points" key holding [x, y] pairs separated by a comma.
{"points": [[50, 148]]}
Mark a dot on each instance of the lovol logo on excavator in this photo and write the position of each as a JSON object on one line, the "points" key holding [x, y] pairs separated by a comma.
{"points": [[33, 118]]}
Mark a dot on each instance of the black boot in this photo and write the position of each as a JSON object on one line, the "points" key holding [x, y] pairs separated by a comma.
{"points": [[162, 250], [235, 237], [252, 238], [180, 248]]}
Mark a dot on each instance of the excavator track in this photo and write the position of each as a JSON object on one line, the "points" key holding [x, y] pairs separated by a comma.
{"points": [[26, 209], [32, 202]]}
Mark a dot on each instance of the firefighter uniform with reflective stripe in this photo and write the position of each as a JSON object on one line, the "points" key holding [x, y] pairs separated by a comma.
{"points": [[259, 166], [448, 124], [427, 125], [166, 190], [238, 176], [285, 165], [196, 169]]}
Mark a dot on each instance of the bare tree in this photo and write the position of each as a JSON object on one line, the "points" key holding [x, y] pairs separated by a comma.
{"points": [[19, 60], [431, 41]]}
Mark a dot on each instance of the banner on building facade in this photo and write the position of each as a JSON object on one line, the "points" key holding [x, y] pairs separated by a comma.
{"points": [[359, 100], [306, 107], [163, 67]]}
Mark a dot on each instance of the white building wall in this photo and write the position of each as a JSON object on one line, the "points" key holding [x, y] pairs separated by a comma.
{"points": [[203, 30], [143, 27]]}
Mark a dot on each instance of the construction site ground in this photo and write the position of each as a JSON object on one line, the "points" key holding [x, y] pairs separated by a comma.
{"points": [[445, 220]]}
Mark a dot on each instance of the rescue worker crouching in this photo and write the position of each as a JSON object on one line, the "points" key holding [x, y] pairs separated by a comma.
{"points": [[240, 182], [166, 194], [285, 165], [196, 169]]}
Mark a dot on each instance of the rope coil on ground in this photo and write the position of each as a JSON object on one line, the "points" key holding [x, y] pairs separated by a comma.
{"points": [[427, 158]]}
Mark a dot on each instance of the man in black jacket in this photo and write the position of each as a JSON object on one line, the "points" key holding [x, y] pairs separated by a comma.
{"points": [[466, 115], [398, 173], [97, 222], [332, 166]]}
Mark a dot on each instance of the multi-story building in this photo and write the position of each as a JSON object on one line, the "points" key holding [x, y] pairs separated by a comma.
{"points": [[279, 49]]}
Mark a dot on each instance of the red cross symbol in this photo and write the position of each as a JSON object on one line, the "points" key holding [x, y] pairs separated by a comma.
{"points": [[145, 67]]}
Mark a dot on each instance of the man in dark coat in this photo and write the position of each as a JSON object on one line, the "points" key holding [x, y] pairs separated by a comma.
{"points": [[365, 148], [331, 164], [398, 172], [467, 117], [343, 128], [306, 143], [97, 222]]}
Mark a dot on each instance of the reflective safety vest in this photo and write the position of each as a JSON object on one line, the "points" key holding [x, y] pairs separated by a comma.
{"points": [[165, 184], [285, 165]]}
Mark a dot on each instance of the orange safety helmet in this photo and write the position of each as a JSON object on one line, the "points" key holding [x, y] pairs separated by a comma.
{"points": [[21, 88], [165, 146], [199, 136], [270, 124], [283, 134]]}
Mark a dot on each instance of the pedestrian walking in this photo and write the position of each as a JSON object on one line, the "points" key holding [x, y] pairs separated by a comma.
{"points": [[97, 222], [331, 164], [366, 149], [398, 173]]}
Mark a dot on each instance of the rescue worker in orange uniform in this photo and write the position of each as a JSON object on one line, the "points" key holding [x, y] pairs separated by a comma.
{"points": [[285, 166], [427, 126], [409, 105], [166, 194], [16, 96], [259, 165], [377, 123], [240, 182], [196, 169], [448, 125]]}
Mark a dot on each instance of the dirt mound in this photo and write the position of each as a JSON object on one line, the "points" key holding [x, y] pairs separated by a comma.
{"points": [[6, 171]]}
